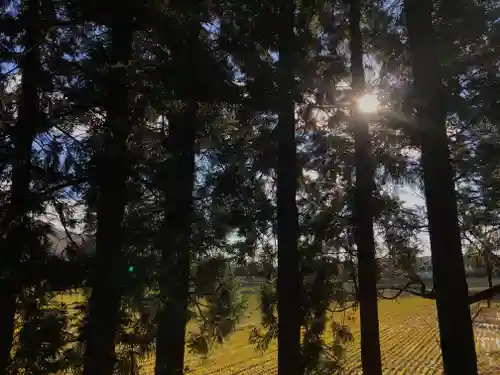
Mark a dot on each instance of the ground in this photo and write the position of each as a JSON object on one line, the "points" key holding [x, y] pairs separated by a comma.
{"points": [[409, 340], [408, 333]]}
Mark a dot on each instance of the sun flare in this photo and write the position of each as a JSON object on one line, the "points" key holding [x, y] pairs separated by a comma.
{"points": [[368, 103]]}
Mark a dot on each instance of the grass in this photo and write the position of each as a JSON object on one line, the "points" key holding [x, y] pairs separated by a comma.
{"points": [[408, 334]]}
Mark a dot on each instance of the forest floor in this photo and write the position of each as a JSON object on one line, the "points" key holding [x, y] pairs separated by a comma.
{"points": [[408, 334]]}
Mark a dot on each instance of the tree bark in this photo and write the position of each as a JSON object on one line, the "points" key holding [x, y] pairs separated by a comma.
{"points": [[174, 283], [364, 210], [489, 272], [16, 223], [455, 325], [289, 284], [112, 171]]}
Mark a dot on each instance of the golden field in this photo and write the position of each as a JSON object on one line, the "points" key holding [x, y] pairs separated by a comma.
{"points": [[408, 335], [409, 340]]}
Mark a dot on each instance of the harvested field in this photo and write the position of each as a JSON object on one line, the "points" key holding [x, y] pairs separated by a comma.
{"points": [[409, 340], [408, 333]]}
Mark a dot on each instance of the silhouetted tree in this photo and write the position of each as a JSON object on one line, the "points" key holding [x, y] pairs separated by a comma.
{"points": [[364, 206], [457, 345]]}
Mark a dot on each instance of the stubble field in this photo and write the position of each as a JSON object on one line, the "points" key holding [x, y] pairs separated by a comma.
{"points": [[409, 341]]}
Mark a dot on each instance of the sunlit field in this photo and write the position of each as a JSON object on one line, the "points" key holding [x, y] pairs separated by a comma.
{"points": [[409, 341], [408, 334]]}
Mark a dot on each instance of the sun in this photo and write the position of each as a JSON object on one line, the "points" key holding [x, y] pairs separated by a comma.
{"points": [[368, 103]]}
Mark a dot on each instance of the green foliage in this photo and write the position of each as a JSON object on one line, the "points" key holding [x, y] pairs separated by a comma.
{"points": [[217, 305], [269, 318], [42, 332], [323, 292]]}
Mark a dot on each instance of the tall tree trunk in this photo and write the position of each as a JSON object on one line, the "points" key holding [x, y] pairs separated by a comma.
{"points": [[455, 325], [364, 210], [289, 284], [112, 170], [174, 284], [16, 223], [489, 272]]}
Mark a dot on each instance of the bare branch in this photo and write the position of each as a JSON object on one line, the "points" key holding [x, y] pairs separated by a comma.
{"points": [[62, 219], [406, 289], [431, 294], [476, 313], [344, 308], [485, 294]]}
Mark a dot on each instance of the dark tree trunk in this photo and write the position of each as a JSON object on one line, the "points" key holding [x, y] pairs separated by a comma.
{"points": [[364, 210], [112, 170], [289, 284], [7, 312], [16, 223], [178, 182], [455, 325], [489, 272]]}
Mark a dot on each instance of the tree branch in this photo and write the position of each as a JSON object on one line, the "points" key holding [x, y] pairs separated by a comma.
{"points": [[474, 298], [47, 194]]}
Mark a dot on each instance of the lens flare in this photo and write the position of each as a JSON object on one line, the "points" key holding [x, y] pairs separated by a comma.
{"points": [[368, 103]]}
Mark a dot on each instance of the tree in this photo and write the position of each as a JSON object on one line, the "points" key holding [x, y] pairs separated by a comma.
{"points": [[289, 321], [176, 257], [16, 222], [111, 170], [199, 99], [42, 334], [483, 251], [457, 345], [364, 207], [188, 111]]}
